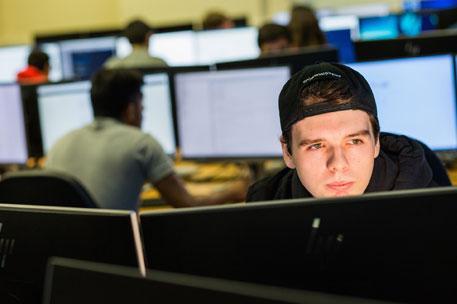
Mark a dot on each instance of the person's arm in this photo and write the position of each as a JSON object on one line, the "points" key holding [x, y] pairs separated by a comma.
{"points": [[174, 192]]}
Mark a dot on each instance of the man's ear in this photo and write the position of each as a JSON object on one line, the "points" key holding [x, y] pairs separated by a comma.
{"points": [[128, 115], [288, 159], [377, 147]]}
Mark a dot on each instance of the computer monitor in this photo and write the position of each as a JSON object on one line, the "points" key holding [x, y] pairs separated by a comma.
{"points": [[341, 39], [411, 102], [296, 59], [395, 246], [432, 42], [340, 22], [30, 235], [103, 283], [176, 48], [13, 59], [227, 45], [62, 108], [158, 111], [230, 114], [13, 142], [379, 27], [82, 57]]}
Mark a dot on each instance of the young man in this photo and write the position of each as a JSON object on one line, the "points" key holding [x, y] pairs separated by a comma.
{"points": [[138, 34], [273, 39], [112, 157], [332, 144], [37, 70]]}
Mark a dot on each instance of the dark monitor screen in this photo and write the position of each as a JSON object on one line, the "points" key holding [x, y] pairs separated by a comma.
{"points": [[341, 39], [230, 113], [30, 235], [411, 102], [297, 60], [394, 246], [102, 283], [429, 43], [13, 142], [13, 59]]}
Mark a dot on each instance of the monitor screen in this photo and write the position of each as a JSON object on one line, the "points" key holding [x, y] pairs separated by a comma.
{"points": [[13, 143], [227, 45], [13, 59], [62, 108], [82, 57], [176, 48], [340, 22], [382, 27], [31, 235], [232, 113], [412, 101], [341, 39], [158, 112]]}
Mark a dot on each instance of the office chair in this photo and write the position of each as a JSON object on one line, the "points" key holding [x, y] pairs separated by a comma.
{"points": [[44, 187]]}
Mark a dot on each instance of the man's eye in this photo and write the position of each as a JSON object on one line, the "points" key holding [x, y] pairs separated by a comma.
{"points": [[315, 146], [356, 141]]}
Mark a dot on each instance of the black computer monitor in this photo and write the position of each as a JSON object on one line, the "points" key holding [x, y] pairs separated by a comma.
{"points": [[229, 114], [13, 141], [395, 246], [102, 283], [78, 55], [411, 101], [297, 60], [32, 234], [429, 43], [13, 59]]}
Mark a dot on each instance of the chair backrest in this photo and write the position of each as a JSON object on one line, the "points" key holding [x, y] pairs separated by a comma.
{"points": [[44, 187]]}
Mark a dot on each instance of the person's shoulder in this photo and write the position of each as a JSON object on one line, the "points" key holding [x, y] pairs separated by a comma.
{"points": [[270, 187], [113, 62]]}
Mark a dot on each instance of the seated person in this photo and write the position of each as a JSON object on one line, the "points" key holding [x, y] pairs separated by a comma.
{"points": [[273, 39], [304, 27], [216, 20], [37, 70], [138, 33], [112, 157], [332, 145]]}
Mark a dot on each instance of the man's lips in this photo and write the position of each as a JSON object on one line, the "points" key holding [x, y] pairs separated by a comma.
{"points": [[340, 186]]}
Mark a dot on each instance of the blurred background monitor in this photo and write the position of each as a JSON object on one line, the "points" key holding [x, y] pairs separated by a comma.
{"points": [[229, 114], [428, 43], [340, 22], [13, 59], [296, 59], [31, 235], [341, 40], [379, 27], [62, 108], [158, 111], [227, 45], [413, 102], [13, 143]]}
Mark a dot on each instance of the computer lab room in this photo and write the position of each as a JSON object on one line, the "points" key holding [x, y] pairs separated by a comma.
{"points": [[255, 151]]}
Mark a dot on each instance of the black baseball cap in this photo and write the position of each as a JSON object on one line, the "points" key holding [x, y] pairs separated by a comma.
{"points": [[291, 109]]}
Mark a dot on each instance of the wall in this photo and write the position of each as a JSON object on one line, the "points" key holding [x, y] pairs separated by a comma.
{"points": [[21, 19]]}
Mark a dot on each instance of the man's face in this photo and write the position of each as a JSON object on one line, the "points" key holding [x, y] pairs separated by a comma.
{"points": [[333, 153]]}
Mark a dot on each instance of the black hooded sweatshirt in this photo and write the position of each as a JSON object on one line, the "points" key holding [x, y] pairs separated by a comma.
{"points": [[403, 163]]}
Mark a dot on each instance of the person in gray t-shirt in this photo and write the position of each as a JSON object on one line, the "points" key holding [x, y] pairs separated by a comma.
{"points": [[138, 33], [112, 157]]}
